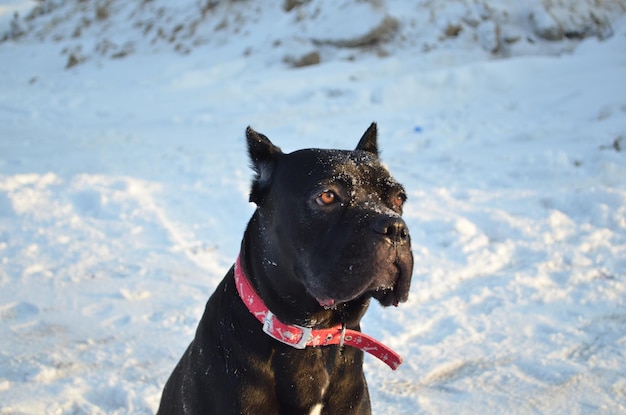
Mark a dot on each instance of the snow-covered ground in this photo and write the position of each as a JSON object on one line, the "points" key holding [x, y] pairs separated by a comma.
{"points": [[124, 180]]}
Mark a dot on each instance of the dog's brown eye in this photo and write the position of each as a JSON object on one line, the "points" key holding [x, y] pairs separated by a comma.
{"points": [[326, 198], [398, 201]]}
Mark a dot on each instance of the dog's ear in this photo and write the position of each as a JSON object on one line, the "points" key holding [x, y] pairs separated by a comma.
{"points": [[368, 141], [263, 158]]}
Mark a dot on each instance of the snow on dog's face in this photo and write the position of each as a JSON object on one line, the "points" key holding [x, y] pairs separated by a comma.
{"points": [[338, 218]]}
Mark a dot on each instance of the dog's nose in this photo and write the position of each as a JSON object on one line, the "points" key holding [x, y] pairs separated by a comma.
{"points": [[394, 228]]}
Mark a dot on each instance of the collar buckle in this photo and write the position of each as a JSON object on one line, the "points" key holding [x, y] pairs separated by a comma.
{"points": [[290, 334]]}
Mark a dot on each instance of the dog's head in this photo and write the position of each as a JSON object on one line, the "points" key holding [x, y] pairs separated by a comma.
{"points": [[332, 219]]}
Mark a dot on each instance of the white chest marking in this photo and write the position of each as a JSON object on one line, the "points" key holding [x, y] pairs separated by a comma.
{"points": [[316, 410]]}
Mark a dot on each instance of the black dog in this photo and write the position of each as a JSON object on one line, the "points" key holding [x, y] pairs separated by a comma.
{"points": [[281, 334]]}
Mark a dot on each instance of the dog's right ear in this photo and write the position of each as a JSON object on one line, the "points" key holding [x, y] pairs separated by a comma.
{"points": [[263, 158]]}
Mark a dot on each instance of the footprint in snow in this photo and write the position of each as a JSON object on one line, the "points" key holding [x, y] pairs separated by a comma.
{"points": [[18, 312]]}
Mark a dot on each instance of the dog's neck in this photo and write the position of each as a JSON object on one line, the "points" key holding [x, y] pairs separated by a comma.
{"points": [[284, 294]]}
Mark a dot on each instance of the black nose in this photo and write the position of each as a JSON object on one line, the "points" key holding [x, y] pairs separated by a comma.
{"points": [[394, 228]]}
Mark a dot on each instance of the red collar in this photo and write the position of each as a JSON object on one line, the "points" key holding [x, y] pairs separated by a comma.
{"points": [[300, 337]]}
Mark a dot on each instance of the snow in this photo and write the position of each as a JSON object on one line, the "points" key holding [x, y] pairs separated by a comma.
{"points": [[124, 185]]}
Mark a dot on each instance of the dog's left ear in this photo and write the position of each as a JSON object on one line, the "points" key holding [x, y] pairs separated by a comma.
{"points": [[368, 141], [263, 156]]}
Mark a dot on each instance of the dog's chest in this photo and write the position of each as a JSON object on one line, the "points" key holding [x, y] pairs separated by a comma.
{"points": [[308, 379]]}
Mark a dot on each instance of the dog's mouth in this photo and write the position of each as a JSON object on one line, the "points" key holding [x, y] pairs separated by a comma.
{"points": [[397, 292], [326, 303], [386, 296], [386, 293]]}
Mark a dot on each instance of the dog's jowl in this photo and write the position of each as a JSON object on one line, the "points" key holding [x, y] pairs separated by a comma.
{"points": [[280, 334]]}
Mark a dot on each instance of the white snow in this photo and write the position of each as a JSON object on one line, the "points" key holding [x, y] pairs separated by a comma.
{"points": [[124, 181]]}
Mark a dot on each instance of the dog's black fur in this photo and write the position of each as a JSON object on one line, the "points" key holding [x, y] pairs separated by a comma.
{"points": [[327, 230]]}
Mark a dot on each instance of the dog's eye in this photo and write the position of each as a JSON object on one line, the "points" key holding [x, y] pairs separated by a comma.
{"points": [[327, 197], [398, 200]]}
